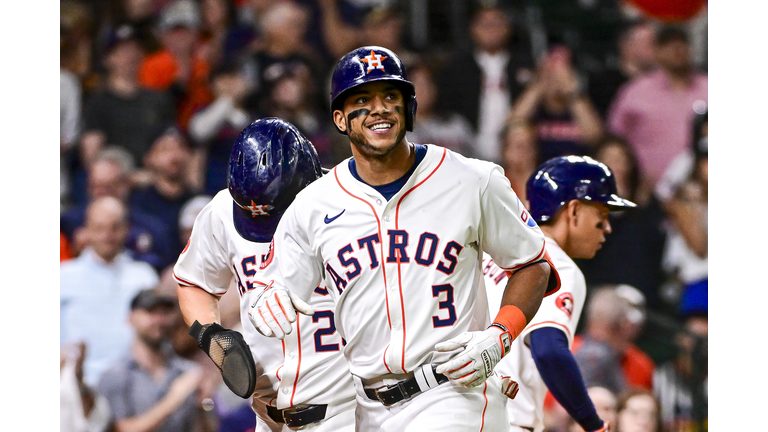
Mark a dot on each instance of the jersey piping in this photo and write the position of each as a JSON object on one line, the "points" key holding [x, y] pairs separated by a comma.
{"points": [[399, 273], [381, 250]]}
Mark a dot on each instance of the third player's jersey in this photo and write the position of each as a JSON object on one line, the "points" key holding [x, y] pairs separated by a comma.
{"points": [[405, 272], [561, 310], [308, 367]]}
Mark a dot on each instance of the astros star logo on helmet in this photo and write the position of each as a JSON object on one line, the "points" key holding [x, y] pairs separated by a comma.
{"points": [[374, 61], [257, 210]]}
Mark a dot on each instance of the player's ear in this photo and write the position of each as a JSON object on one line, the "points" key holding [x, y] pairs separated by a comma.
{"points": [[340, 120], [574, 210]]}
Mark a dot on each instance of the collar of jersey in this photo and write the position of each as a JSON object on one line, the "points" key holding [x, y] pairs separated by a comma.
{"points": [[391, 189]]}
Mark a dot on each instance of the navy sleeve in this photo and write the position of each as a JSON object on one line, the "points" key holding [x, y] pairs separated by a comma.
{"points": [[559, 371]]}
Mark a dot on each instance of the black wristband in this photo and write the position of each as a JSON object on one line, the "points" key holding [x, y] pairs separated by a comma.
{"points": [[203, 333]]}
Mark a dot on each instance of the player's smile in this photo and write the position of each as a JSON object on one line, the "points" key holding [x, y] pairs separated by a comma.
{"points": [[374, 117]]}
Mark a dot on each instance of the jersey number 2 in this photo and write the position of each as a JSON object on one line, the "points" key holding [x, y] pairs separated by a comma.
{"points": [[326, 331], [446, 304]]}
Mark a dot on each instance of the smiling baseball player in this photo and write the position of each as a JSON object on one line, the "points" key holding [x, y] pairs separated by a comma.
{"points": [[570, 197], [397, 233], [303, 381]]}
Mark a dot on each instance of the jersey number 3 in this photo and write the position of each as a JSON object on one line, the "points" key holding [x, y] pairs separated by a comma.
{"points": [[446, 304]]}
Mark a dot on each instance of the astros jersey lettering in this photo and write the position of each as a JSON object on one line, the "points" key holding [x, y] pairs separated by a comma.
{"points": [[308, 367], [561, 310], [405, 273]]}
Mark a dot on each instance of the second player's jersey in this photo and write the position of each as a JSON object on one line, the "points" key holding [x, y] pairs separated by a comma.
{"points": [[308, 367], [405, 272], [561, 310]]}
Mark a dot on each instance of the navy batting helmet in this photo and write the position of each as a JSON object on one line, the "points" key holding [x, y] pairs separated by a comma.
{"points": [[565, 178], [271, 162], [369, 64]]}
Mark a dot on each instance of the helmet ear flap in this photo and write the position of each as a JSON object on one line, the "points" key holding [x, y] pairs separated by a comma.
{"points": [[410, 116]]}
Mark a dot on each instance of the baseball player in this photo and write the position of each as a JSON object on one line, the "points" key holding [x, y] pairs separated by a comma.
{"points": [[570, 197], [303, 381], [397, 233]]}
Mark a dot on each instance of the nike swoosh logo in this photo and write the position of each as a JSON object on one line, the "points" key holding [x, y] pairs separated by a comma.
{"points": [[329, 220]]}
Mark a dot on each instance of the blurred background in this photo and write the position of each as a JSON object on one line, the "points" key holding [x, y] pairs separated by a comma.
{"points": [[153, 93]]}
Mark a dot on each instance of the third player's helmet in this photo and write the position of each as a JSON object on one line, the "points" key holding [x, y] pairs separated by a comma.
{"points": [[271, 162], [368, 64], [565, 178]]}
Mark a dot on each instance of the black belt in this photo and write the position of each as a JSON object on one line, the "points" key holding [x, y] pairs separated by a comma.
{"points": [[392, 394], [296, 417]]}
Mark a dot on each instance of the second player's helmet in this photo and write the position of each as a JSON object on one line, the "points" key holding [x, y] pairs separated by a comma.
{"points": [[368, 64], [562, 179], [271, 162]]}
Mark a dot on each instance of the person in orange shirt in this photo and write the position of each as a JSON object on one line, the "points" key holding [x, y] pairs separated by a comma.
{"points": [[65, 253], [177, 67]]}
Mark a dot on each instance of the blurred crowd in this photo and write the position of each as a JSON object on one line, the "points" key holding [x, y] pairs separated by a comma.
{"points": [[154, 92]]}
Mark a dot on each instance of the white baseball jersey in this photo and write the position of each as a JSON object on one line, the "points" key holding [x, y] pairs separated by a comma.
{"points": [[308, 366], [405, 273], [561, 310]]}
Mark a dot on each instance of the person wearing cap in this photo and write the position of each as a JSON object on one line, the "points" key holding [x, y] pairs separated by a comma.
{"points": [[178, 67], [151, 388], [123, 114], [169, 187], [654, 111], [570, 197]]}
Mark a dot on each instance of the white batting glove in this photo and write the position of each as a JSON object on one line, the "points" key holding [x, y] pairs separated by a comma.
{"points": [[509, 387], [482, 351], [273, 312]]}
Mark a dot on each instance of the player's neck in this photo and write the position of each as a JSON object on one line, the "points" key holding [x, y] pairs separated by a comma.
{"points": [[380, 170]]}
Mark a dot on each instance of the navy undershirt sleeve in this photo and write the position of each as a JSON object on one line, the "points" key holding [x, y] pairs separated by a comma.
{"points": [[559, 371]]}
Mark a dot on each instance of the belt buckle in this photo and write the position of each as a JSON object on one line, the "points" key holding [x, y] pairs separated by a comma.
{"points": [[399, 386]]}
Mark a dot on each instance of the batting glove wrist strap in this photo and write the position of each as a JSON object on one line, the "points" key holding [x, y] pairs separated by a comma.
{"points": [[230, 354], [482, 351]]}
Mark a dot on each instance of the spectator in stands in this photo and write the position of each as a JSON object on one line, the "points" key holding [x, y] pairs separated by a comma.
{"points": [[97, 287], [686, 256], [636, 57], [110, 176], [653, 112], [139, 14], [123, 114], [70, 111], [380, 26], [168, 161], [151, 388], [605, 352], [681, 383], [481, 84], [217, 31], [283, 26], [215, 127], [434, 124], [632, 253], [293, 96], [638, 411], [565, 119], [178, 68], [520, 153], [82, 409]]}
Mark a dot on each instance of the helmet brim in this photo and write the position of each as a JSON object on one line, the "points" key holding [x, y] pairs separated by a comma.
{"points": [[615, 202], [259, 229]]}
